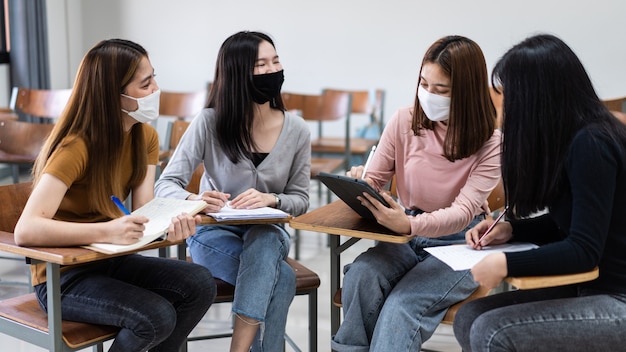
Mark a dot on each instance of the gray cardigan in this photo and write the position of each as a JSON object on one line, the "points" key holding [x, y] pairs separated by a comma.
{"points": [[285, 171]]}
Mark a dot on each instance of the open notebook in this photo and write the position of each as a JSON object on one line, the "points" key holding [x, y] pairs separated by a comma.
{"points": [[228, 213], [160, 211]]}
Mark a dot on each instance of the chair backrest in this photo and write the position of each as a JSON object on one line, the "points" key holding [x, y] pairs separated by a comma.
{"points": [[177, 129], [329, 106], [15, 196], [367, 102], [496, 197], [182, 104], [22, 141], [616, 104], [47, 103]]}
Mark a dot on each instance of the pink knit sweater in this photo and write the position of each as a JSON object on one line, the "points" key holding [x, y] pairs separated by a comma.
{"points": [[450, 193]]}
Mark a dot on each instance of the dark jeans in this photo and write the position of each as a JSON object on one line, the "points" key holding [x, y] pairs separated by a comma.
{"points": [[155, 301], [554, 319]]}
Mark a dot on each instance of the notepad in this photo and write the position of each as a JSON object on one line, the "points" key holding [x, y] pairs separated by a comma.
{"points": [[228, 213], [160, 211], [463, 257]]}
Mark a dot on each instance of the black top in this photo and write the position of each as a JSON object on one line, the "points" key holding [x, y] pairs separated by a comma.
{"points": [[586, 226]]}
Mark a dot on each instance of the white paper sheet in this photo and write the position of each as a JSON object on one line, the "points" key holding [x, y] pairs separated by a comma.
{"points": [[462, 256]]}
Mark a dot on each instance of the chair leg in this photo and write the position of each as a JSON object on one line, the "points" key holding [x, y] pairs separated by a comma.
{"points": [[296, 245], [15, 168], [313, 321]]}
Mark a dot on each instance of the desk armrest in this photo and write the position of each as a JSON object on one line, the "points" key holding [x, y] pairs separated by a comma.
{"points": [[530, 282], [67, 255]]}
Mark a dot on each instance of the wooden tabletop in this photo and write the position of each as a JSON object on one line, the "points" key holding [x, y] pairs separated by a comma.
{"points": [[530, 282], [337, 218], [66, 255]]}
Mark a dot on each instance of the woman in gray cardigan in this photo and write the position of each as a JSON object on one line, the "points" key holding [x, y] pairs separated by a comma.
{"points": [[255, 154]]}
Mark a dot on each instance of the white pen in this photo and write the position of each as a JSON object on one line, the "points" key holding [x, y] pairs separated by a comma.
{"points": [[367, 162], [213, 184]]}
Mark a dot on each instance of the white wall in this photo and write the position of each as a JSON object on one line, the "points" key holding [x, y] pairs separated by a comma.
{"points": [[355, 44]]}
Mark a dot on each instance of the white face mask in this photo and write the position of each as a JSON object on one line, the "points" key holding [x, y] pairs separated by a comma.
{"points": [[147, 107], [436, 107]]}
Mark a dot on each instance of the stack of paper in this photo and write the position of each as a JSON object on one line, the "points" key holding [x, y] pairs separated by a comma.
{"points": [[228, 213]]}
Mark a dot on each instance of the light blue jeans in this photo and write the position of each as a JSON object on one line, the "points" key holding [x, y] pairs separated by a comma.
{"points": [[251, 257], [395, 295], [555, 319]]}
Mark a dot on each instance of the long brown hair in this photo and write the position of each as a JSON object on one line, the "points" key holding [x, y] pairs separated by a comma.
{"points": [[93, 113], [472, 114]]}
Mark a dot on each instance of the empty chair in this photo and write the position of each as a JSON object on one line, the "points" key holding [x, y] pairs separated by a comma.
{"points": [[616, 104], [182, 104], [21, 141], [42, 103]]}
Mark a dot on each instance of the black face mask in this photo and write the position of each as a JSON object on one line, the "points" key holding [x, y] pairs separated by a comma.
{"points": [[267, 86]]}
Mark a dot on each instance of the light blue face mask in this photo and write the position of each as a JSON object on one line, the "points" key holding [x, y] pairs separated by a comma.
{"points": [[147, 107]]}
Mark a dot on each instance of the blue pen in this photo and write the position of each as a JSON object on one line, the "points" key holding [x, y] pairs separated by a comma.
{"points": [[120, 205]]}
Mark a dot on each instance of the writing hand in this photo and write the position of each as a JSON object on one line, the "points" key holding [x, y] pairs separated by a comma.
{"points": [[126, 230], [500, 233], [215, 200]]}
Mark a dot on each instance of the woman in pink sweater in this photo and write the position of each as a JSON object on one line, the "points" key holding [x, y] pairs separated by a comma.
{"points": [[445, 154]]}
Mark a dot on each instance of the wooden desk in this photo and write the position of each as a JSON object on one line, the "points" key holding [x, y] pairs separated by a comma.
{"points": [[54, 258], [338, 219]]}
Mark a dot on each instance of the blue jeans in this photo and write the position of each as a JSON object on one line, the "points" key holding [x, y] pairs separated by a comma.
{"points": [[155, 301], [251, 257], [565, 318], [395, 295]]}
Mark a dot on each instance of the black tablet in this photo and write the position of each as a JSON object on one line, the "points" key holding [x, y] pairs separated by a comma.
{"points": [[348, 188]]}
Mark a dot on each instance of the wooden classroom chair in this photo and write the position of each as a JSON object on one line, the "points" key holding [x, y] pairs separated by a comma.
{"points": [[21, 316], [182, 105], [21, 141], [40, 103]]}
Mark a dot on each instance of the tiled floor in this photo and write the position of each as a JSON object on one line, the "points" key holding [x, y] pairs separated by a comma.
{"points": [[313, 253]]}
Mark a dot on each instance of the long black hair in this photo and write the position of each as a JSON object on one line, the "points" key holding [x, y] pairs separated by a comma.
{"points": [[231, 93], [548, 98]]}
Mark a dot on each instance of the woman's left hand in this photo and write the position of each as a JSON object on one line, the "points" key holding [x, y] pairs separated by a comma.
{"points": [[392, 218], [182, 226], [252, 199], [491, 270]]}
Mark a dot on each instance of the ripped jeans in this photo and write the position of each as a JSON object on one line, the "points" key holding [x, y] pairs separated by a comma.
{"points": [[251, 257]]}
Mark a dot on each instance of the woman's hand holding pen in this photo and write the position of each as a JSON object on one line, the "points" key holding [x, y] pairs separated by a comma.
{"points": [[216, 200], [357, 172], [499, 233], [127, 229], [492, 269]]}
